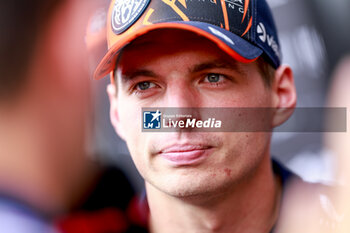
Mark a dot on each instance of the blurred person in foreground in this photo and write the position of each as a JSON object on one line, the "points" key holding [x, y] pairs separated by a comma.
{"points": [[108, 203], [333, 215], [44, 109], [201, 54], [339, 144]]}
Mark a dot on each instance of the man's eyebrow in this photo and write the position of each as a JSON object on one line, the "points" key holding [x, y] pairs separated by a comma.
{"points": [[130, 75], [218, 64]]}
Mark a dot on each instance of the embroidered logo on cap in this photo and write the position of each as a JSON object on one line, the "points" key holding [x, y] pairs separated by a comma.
{"points": [[126, 12], [261, 32], [269, 39]]}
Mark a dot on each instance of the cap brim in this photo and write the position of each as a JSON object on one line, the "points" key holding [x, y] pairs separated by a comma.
{"points": [[234, 45]]}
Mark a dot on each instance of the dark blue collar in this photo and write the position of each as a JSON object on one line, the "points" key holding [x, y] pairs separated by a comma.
{"points": [[286, 176]]}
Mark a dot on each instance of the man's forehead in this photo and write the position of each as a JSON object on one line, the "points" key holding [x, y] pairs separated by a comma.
{"points": [[171, 41]]}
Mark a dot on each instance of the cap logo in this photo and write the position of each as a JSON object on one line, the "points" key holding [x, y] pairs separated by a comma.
{"points": [[126, 12], [262, 32], [269, 39]]}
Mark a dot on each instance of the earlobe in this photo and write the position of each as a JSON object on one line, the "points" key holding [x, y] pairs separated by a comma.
{"points": [[113, 111], [285, 95]]}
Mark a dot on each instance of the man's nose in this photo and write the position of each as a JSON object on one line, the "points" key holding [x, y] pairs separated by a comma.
{"points": [[183, 100]]}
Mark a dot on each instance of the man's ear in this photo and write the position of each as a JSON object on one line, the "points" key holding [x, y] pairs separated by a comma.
{"points": [[113, 111], [285, 96]]}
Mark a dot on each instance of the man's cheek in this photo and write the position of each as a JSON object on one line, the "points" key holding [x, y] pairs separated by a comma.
{"points": [[129, 120]]}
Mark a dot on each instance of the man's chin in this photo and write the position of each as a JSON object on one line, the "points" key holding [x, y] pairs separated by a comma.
{"points": [[192, 188]]}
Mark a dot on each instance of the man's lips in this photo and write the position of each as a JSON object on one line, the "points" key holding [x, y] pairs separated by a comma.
{"points": [[185, 154]]}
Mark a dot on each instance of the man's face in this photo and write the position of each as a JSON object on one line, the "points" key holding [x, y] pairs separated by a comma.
{"points": [[179, 69]]}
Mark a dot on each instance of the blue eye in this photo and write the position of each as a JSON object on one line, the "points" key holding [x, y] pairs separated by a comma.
{"points": [[213, 78], [145, 85]]}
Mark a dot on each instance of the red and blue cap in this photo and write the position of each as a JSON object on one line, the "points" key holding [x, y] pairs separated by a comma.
{"points": [[244, 29]]}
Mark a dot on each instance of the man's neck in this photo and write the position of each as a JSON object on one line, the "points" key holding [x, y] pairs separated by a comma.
{"points": [[251, 206]]}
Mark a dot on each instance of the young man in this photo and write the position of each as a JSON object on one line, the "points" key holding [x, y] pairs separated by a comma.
{"points": [[199, 54]]}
